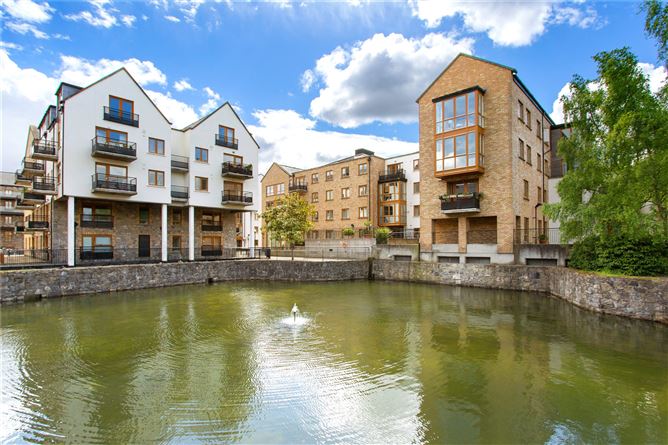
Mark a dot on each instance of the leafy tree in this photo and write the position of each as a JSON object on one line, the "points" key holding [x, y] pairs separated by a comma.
{"points": [[618, 154], [289, 219], [656, 25]]}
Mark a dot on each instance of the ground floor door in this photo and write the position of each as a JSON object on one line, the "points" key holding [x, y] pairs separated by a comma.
{"points": [[144, 246]]}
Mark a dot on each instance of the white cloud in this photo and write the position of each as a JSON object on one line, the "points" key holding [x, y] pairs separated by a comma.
{"points": [[189, 8], [10, 45], [172, 18], [378, 79], [102, 15], [212, 102], [182, 85], [128, 20], [656, 75], [289, 138], [179, 113], [25, 28], [210, 93], [307, 80], [505, 23], [83, 72], [27, 10]]}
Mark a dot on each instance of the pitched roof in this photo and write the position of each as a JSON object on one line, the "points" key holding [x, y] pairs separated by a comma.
{"points": [[133, 79], [290, 170], [202, 119]]}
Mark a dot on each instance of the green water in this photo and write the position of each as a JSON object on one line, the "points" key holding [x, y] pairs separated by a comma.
{"points": [[368, 362]]}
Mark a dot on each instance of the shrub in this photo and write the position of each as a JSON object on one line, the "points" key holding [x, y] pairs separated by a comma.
{"points": [[348, 231], [382, 235], [640, 255]]}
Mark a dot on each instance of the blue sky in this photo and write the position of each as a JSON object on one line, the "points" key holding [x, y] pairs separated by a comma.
{"points": [[312, 80]]}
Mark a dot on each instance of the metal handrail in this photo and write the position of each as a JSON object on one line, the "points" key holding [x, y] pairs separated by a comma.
{"points": [[226, 142], [231, 167], [245, 197], [121, 116]]}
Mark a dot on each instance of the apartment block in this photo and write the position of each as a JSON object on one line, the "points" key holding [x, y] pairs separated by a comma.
{"points": [[484, 163], [363, 188], [11, 213], [106, 177]]}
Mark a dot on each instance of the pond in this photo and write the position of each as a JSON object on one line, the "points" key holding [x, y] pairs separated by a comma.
{"points": [[364, 362]]}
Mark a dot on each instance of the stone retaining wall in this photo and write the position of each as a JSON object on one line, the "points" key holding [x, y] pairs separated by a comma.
{"points": [[21, 285]]}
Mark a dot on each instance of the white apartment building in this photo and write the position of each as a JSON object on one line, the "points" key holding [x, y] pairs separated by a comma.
{"points": [[108, 178]]}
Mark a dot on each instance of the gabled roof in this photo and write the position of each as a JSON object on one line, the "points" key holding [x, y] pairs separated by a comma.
{"points": [[133, 79], [290, 170], [202, 119]]}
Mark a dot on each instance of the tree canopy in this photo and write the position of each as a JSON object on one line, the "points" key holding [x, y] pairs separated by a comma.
{"points": [[289, 219]]}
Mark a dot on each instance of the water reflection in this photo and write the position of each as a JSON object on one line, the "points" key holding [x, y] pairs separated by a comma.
{"points": [[366, 362]]}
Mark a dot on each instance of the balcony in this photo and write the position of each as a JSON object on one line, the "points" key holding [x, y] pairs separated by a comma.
{"points": [[32, 198], [232, 170], [298, 188], [460, 203], [242, 198], [20, 228], [45, 185], [179, 193], [24, 205], [22, 179], [104, 147], [180, 163], [45, 150], [120, 116], [32, 168], [224, 141], [392, 176], [114, 184], [10, 211], [211, 226], [97, 221], [37, 224]]}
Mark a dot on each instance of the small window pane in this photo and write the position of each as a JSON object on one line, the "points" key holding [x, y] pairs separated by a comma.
{"points": [[449, 147], [460, 106], [460, 145], [471, 100], [449, 110]]}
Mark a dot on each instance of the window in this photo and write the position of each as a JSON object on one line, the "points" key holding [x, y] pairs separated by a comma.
{"points": [[111, 170], [96, 213], [176, 242], [201, 154], [314, 178], [345, 172], [156, 146], [526, 189], [456, 152], [345, 193], [462, 188], [529, 154], [362, 190], [329, 215], [233, 159], [269, 190], [363, 169], [156, 178], [329, 195], [363, 213], [177, 216], [416, 210], [315, 217], [416, 164], [546, 167], [520, 110], [280, 189], [521, 152], [144, 215], [416, 187], [345, 213], [539, 194], [529, 119], [97, 244], [538, 128], [314, 197], [7, 236], [201, 184], [211, 220], [226, 133], [109, 136], [539, 162], [329, 175], [545, 195], [120, 107], [457, 112]]}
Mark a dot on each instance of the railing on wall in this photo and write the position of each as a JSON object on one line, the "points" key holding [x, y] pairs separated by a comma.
{"points": [[539, 236]]}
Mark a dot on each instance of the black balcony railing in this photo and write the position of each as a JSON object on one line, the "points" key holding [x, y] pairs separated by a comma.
{"points": [[211, 227], [299, 187], [97, 221], [44, 147], [245, 198], [180, 162], [211, 251], [113, 183], [104, 146], [179, 192], [224, 141], [230, 168], [459, 203], [33, 166], [394, 175], [38, 224], [20, 177], [35, 197], [120, 116], [44, 183]]}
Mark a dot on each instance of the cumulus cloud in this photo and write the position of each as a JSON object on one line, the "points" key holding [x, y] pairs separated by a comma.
{"points": [[128, 20], [172, 18], [179, 114], [27, 28], [379, 79], [211, 103], [82, 72], [27, 10], [182, 85], [307, 80], [505, 23], [290, 138], [656, 75], [102, 15]]}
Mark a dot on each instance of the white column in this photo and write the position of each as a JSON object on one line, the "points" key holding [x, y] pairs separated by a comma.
{"points": [[251, 228], [70, 231], [164, 233], [191, 233]]}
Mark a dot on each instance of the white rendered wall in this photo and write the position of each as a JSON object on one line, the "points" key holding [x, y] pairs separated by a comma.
{"points": [[412, 176]]}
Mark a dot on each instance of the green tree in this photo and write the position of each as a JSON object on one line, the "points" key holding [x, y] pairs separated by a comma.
{"points": [[289, 219], [656, 25], [617, 153]]}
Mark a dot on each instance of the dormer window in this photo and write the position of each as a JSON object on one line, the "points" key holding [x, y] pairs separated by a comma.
{"points": [[122, 111]]}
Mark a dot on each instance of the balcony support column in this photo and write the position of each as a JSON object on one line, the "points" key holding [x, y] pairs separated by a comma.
{"points": [[191, 233], [163, 233], [251, 229], [70, 231], [462, 224]]}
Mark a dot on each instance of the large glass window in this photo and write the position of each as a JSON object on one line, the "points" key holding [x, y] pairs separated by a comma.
{"points": [[457, 152], [459, 112]]}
